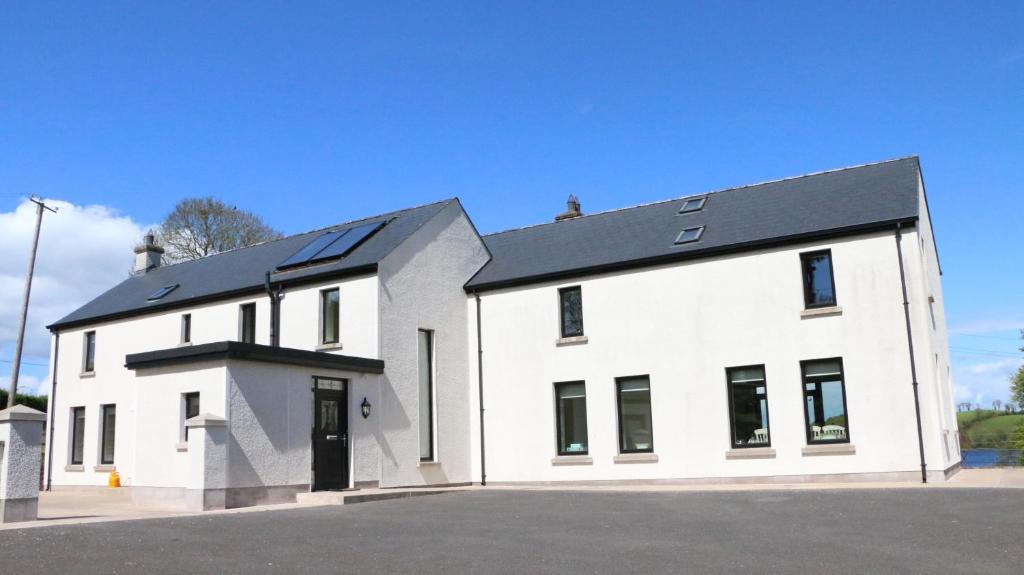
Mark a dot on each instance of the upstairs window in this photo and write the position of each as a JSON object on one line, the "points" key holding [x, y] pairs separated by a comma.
{"points": [[89, 352], [825, 398], [247, 323], [426, 392], [571, 306], [329, 316], [819, 284], [571, 417], [748, 406], [186, 328]]}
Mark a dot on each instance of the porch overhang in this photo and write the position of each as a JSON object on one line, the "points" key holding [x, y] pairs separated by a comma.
{"points": [[251, 352]]}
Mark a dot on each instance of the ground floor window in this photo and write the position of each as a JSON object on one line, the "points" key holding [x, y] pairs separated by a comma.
{"points": [[108, 418], [825, 398], [190, 409], [748, 406], [426, 393], [571, 417], [636, 434], [77, 435]]}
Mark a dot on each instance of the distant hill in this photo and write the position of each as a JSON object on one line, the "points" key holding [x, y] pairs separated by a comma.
{"points": [[987, 428]]}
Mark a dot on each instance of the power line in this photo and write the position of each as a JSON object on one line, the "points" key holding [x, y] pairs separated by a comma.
{"points": [[25, 363], [1002, 337], [989, 352]]}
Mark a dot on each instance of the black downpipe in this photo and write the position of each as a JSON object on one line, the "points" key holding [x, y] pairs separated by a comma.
{"points": [[52, 404], [910, 345], [480, 388], [275, 311]]}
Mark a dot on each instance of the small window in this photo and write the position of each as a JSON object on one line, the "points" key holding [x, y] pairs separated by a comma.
{"points": [[186, 328], [108, 413], [819, 284], [636, 434], [329, 316], [160, 293], [89, 352], [77, 435], [571, 306], [825, 396], [693, 205], [689, 235], [748, 406], [190, 409], [426, 394], [571, 417], [247, 323]]}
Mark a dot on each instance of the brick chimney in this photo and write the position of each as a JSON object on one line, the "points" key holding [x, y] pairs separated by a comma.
{"points": [[572, 209], [147, 255]]}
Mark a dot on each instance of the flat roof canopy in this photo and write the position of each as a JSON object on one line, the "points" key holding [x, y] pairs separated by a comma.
{"points": [[251, 352]]}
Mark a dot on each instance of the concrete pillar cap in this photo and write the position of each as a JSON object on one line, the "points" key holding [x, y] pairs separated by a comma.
{"points": [[206, 420], [21, 413]]}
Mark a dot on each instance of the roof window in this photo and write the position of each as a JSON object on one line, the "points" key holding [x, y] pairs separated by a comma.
{"points": [[689, 235], [693, 205], [331, 245], [160, 293]]}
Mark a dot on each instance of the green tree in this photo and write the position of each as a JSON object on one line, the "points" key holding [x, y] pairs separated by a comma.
{"points": [[198, 227], [1017, 381]]}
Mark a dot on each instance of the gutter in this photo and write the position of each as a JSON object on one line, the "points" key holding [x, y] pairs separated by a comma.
{"points": [[480, 388], [910, 347], [52, 404]]}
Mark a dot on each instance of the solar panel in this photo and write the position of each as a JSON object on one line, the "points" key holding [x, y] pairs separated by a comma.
{"points": [[161, 292], [311, 249], [347, 242]]}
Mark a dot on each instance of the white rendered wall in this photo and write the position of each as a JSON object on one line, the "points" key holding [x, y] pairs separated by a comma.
{"points": [[683, 325], [300, 313], [422, 288]]}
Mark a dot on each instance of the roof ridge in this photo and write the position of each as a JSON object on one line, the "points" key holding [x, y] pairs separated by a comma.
{"points": [[717, 191]]}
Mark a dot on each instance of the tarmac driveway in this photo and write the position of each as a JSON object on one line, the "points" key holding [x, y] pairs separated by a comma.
{"points": [[522, 531]]}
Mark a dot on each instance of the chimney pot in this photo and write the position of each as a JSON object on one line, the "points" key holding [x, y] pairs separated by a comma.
{"points": [[572, 209], [148, 255]]}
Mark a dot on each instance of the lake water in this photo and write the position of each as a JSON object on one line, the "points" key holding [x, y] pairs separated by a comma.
{"points": [[979, 458]]}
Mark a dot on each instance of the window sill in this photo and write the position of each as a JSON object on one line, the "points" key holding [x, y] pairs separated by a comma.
{"points": [[751, 453], [829, 449], [181, 446], [104, 467], [328, 346], [76, 468], [572, 460], [821, 312], [87, 374], [576, 340], [636, 458], [428, 464]]}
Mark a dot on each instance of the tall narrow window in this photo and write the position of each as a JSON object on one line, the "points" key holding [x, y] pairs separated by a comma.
{"points": [[190, 409], [329, 316], [819, 284], [109, 418], [426, 370], [77, 435], [825, 396], [186, 328], [571, 306], [89, 352], [748, 406], [636, 434], [247, 323], [571, 417]]}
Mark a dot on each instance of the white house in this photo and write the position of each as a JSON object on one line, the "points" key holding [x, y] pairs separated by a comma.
{"points": [[791, 330]]}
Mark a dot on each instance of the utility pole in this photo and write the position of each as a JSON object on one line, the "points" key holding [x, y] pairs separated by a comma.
{"points": [[16, 367]]}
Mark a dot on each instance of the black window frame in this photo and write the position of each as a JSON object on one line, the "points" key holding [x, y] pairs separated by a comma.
{"points": [[323, 317], [186, 328], [732, 410], [104, 430], [89, 352], [77, 435], [184, 405], [618, 407], [701, 202], [247, 322], [558, 418], [430, 391], [804, 278], [804, 380], [679, 238], [561, 311]]}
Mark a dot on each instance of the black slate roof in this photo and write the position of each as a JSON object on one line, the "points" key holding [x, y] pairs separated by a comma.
{"points": [[814, 205], [243, 270]]}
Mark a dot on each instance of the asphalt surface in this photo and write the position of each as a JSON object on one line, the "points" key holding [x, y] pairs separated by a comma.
{"points": [[848, 531]]}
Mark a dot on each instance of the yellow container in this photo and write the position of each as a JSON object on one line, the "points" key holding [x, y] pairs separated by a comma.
{"points": [[114, 480]]}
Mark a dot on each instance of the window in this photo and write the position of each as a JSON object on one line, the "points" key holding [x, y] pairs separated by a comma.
{"points": [[689, 235], [571, 417], [571, 305], [77, 434], [89, 352], [426, 388], [329, 316], [693, 205], [160, 293], [748, 406], [825, 396], [247, 323], [190, 408], [634, 401], [186, 328], [108, 419], [819, 285]]}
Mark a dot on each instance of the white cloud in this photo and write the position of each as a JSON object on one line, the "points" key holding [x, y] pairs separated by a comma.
{"points": [[83, 251], [29, 384], [982, 382]]}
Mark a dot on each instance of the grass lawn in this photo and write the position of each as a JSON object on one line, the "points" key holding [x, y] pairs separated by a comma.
{"points": [[992, 432]]}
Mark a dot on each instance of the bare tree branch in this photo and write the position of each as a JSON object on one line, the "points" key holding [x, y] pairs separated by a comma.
{"points": [[198, 227]]}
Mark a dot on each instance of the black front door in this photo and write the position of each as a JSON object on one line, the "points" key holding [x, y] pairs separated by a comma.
{"points": [[330, 434]]}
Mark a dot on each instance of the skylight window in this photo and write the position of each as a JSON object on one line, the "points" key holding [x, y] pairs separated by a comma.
{"points": [[158, 294], [693, 205], [689, 235]]}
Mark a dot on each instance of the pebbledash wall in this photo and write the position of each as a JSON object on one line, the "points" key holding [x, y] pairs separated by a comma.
{"points": [[683, 325]]}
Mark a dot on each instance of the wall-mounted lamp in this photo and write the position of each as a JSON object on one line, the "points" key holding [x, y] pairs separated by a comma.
{"points": [[365, 406]]}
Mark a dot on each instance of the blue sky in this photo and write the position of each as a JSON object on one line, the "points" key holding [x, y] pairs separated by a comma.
{"points": [[316, 113]]}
